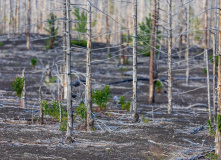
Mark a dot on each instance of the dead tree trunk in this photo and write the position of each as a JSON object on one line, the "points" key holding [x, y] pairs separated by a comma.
{"points": [[52, 34], [68, 75], [214, 78], [218, 135], [208, 85], [107, 30], [41, 108], [28, 25], [170, 110], [120, 34], [63, 67], [135, 115], [187, 44], [206, 28], [88, 100], [180, 31], [152, 56], [24, 90]]}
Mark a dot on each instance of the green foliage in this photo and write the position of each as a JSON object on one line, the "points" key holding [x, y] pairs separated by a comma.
{"points": [[211, 59], [158, 86], [1, 44], [124, 104], [144, 36], [33, 62], [18, 85], [204, 70], [50, 21], [145, 120], [219, 122], [53, 110], [125, 36], [101, 97], [82, 43], [51, 80], [211, 156], [82, 111], [81, 19], [212, 131]]}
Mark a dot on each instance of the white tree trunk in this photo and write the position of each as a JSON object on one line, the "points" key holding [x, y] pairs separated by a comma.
{"points": [[187, 44], [88, 100], [170, 109], [24, 90], [135, 116], [68, 75], [208, 85]]}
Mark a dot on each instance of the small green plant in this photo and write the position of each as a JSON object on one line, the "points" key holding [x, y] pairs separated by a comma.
{"points": [[81, 43], [158, 86], [51, 80], [33, 62], [211, 156], [211, 129], [212, 59], [205, 71], [53, 110], [121, 70], [17, 86], [4, 52], [124, 104], [126, 61], [145, 120], [1, 43], [52, 31], [82, 111], [101, 97]]}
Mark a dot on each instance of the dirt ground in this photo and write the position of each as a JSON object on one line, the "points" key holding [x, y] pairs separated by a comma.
{"points": [[182, 135]]}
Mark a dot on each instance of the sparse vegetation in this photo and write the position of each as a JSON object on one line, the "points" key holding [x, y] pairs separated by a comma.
{"points": [[33, 62], [1, 43], [124, 104]]}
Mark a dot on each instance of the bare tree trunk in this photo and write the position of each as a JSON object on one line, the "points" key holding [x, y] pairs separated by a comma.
{"points": [[187, 44], [218, 135], [180, 31], [206, 28], [24, 90], [107, 29], [41, 108], [16, 15], [214, 78], [88, 100], [120, 34], [63, 68], [68, 76], [135, 115], [28, 25], [208, 85], [52, 34], [152, 56], [170, 109]]}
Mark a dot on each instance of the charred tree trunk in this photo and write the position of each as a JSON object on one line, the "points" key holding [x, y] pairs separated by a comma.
{"points": [[28, 25], [41, 108], [68, 76], [88, 100], [24, 90], [135, 115], [152, 56], [170, 109]]}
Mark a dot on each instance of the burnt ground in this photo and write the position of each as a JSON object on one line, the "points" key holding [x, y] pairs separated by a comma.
{"points": [[182, 135]]}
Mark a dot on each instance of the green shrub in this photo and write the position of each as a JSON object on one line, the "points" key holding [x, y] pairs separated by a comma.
{"points": [[145, 120], [205, 71], [50, 32], [211, 156], [101, 97], [212, 131], [51, 80], [33, 62], [158, 86], [18, 85], [82, 111], [124, 104], [82, 43], [211, 59], [1, 44], [144, 36], [53, 110]]}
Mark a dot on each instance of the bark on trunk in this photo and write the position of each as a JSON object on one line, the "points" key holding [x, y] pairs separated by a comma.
{"points": [[206, 27], [135, 115], [107, 29], [208, 85], [214, 78], [218, 136], [24, 90], [187, 45], [153, 56], [88, 100], [68, 76], [170, 109], [41, 108], [52, 34], [28, 25], [180, 31]]}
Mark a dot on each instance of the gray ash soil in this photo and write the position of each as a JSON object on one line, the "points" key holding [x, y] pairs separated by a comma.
{"points": [[182, 135]]}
